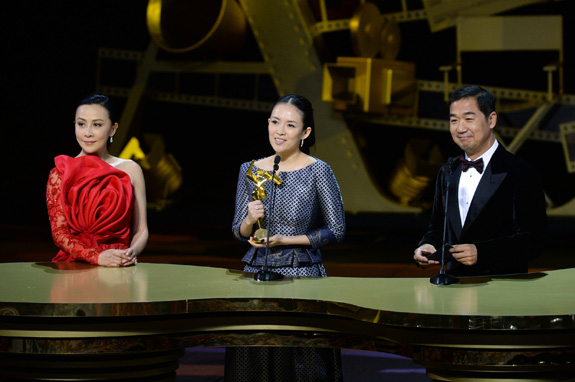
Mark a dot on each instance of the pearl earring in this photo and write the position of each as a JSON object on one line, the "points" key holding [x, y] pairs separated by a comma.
{"points": [[301, 144], [111, 139]]}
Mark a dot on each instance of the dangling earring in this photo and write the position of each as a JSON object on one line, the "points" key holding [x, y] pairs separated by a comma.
{"points": [[301, 144], [111, 139]]}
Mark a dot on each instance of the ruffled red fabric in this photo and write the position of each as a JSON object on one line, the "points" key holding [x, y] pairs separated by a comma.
{"points": [[90, 206]]}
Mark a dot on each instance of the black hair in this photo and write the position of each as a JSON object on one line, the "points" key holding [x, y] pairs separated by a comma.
{"points": [[303, 105], [102, 100], [484, 98]]}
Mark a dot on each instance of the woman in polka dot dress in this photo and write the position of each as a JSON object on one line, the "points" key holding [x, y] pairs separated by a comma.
{"points": [[308, 214]]}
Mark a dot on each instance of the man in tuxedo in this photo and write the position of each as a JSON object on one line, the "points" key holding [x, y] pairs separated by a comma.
{"points": [[496, 218]]}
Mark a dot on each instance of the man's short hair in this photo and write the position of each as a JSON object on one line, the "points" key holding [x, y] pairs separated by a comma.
{"points": [[484, 98]]}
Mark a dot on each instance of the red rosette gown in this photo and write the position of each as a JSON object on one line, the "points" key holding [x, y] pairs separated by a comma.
{"points": [[90, 206]]}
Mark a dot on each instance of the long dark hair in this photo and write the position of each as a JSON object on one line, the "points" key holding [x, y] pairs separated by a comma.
{"points": [[303, 105]]}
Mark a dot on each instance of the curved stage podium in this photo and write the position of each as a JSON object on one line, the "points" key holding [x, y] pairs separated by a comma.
{"points": [[78, 322]]}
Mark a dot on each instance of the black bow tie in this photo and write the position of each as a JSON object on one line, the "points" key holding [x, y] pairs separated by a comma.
{"points": [[465, 164]]}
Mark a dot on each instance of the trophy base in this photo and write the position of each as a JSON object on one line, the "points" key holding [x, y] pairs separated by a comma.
{"points": [[266, 275], [260, 235]]}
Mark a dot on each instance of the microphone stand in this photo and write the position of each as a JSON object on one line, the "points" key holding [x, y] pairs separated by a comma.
{"points": [[265, 274], [443, 278]]}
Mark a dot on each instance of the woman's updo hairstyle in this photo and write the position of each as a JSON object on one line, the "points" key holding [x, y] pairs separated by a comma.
{"points": [[102, 100]]}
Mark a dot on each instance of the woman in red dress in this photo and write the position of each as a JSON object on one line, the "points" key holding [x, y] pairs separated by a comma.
{"points": [[97, 202]]}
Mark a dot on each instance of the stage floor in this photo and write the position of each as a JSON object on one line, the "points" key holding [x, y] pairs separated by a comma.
{"points": [[207, 365]]}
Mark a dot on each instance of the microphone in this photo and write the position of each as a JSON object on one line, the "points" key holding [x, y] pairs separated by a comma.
{"points": [[442, 278], [265, 274], [448, 166]]}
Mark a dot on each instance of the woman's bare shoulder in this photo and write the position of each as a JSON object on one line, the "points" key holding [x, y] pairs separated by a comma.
{"points": [[129, 166]]}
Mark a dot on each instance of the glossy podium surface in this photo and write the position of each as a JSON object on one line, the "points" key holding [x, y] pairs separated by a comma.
{"points": [[84, 322]]}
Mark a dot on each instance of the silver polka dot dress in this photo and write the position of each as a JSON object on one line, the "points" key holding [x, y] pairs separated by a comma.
{"points": [[308, 202]]}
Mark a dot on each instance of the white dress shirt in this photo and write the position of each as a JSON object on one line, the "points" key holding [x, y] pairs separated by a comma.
{"points": [[469, 180]]}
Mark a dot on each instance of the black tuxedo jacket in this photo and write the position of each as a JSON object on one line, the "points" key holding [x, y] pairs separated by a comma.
{"points": [[507, 218]]}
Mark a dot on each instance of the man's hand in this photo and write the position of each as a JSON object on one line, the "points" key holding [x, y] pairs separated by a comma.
{"points": [[466, 254], [420, 253]]}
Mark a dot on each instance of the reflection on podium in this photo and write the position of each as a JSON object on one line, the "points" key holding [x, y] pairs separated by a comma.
{"points": [[79, 282], [464, 300]]}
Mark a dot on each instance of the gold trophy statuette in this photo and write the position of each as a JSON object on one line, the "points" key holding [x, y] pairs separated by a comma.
{"points": [[259, 193]]}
